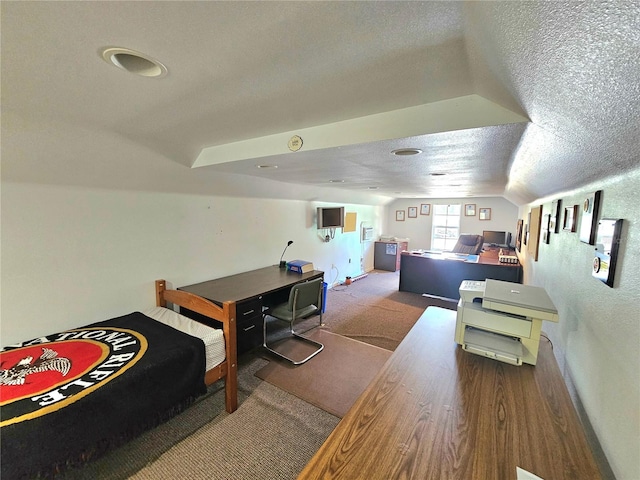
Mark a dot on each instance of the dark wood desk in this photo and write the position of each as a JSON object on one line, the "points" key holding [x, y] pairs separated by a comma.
{"points": [[437, 412], [251, 291], [434, 274]]}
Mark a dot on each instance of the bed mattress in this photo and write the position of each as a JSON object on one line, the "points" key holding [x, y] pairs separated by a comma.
{"points": [[213, 338]]}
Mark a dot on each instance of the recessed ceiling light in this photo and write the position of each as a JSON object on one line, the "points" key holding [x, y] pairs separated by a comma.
{"points": [[134, 62], [406, 151], [437, 174], [336, 181], [267, 166], [372, 188]]}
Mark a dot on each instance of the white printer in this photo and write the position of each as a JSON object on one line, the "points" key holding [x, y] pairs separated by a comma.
{"points": [[502, 320]]}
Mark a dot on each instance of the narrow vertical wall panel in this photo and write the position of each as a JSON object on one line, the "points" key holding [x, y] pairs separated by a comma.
{"points": [[534, 232]]}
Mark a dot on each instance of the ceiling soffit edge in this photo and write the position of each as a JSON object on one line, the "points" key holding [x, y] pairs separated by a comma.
{"points": [[471, 111]]}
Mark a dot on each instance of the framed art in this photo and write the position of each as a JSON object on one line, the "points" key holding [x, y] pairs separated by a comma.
{"points": [[554, 220], [413, 212], [399, 215], [485, 214], [546, 220], [425, 209], [519, 228], [589, 218], [570, 214], [470, 210], [607, 242]]}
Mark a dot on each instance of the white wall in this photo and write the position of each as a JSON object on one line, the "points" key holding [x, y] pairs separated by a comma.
{"points": [[597, 341], [504, 215], [73, 255]]}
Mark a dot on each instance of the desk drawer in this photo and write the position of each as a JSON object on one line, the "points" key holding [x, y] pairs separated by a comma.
{"points": [[249, 309], [249, 324], [249, 334]]}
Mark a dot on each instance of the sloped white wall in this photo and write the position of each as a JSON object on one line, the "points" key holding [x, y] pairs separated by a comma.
{"points": [[74, 255]]}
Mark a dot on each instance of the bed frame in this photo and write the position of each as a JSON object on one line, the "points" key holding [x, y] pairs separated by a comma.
{"points": [[227, 316]]}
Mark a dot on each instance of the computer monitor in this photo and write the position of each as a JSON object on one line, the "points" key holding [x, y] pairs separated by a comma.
{"points": [[494, 237]]}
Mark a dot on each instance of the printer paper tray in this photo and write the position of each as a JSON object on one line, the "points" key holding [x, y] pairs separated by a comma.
{"points": [[492, 345]]}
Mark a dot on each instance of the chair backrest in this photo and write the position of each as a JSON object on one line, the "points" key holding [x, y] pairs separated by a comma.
{"points": [[469, 244], [305, 294]]}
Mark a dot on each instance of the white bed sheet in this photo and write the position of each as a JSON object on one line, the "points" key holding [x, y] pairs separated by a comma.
{"points": [[213, 338]]}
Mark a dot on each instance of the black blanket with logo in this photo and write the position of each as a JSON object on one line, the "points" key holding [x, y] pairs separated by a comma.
{"points": [[68, 398]]}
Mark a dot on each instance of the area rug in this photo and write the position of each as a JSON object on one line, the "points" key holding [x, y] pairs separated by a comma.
{"points": [[333, 379], [374, 311]]}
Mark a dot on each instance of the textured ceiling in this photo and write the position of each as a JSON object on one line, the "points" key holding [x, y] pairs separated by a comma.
{"points": [[242, 72]]}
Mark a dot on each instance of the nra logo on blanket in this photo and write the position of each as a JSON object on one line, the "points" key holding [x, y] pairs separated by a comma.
{"points": [[49, 373]]}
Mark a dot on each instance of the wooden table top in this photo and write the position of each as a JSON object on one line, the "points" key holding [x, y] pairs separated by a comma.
{"points": [[437, 412]]}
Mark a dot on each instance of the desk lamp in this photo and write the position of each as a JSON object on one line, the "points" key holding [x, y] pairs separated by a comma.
{"points": [[283, 264]]}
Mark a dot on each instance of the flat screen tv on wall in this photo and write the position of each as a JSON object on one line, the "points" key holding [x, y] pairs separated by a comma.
{"points": [[330, 217]]}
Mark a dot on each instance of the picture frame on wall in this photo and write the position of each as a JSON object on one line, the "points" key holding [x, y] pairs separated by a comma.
{"points": [[519, 229], [608, 237], [485, 214], [399, 215], [412, 212], [570, 216], [554, 220], [546, 219], [425, 209], [470, 210], [589, 218]]}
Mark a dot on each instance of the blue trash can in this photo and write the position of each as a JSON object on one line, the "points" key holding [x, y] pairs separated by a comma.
{"points": [[324, 296]]}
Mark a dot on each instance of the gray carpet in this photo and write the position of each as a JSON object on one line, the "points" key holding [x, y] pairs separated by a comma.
{"points": [[274, 436]]}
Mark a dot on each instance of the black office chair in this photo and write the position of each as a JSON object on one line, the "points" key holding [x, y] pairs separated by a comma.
{"points": [[305, 299], [469, 244]]}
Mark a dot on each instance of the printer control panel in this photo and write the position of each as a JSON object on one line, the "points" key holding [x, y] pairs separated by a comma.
{"points": [[470, 289]]}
